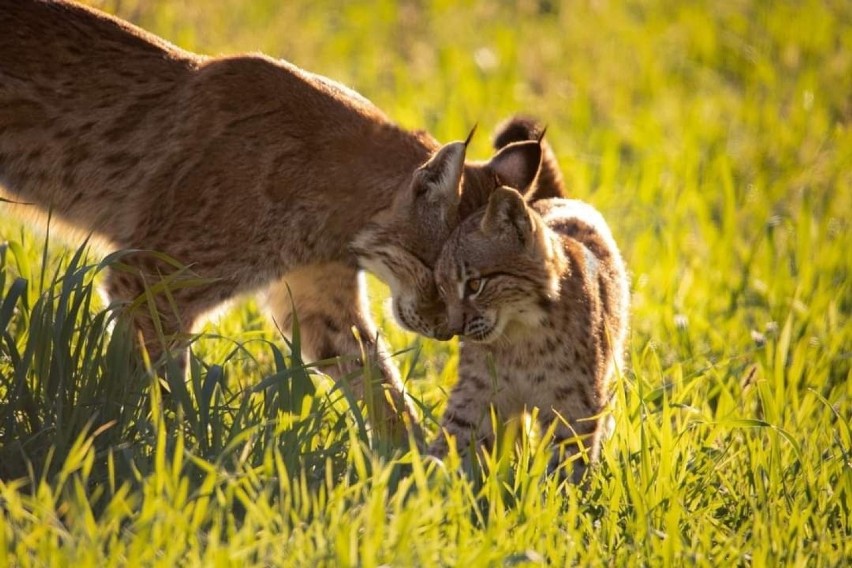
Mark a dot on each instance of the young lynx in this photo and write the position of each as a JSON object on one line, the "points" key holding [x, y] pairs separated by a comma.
{"points": [[251, 171], [540, 297]]}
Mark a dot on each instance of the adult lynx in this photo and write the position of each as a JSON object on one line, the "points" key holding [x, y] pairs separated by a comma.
{"points": [[539, 294], [249, 170]]}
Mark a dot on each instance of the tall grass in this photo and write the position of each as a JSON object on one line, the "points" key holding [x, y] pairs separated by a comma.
{"points": [[715, 138]]}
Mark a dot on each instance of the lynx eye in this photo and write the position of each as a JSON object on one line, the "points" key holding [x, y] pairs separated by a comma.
{"points": [[474, 285]]}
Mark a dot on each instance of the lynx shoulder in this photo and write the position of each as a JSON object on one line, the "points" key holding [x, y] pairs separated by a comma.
{"points": [[539, 295]]}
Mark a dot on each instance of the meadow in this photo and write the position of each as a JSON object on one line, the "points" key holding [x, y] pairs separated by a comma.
{"points": [[715, 137]]}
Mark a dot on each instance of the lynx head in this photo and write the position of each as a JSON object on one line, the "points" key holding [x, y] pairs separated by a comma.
{"points": [[499, 269], [401, 244]]}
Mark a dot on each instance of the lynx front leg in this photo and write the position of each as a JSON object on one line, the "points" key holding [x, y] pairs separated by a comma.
{"points": [[330, 307], [164, 305], [468, 418], [571, 438]]}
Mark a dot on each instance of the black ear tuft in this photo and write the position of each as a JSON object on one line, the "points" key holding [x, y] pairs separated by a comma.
{"points": [[470, 135]]}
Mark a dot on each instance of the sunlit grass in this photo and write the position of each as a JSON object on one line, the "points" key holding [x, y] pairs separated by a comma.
{"points": [[715, 138]]}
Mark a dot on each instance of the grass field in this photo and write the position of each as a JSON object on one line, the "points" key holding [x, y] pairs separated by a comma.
{"points": [[716, 137]]}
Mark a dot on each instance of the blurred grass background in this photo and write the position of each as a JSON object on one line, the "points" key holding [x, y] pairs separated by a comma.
{"points": [[715, 138]]}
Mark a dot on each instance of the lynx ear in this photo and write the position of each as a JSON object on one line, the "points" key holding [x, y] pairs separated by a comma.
{"points": [[439, 179], [506, 217], [518, 128], [516, 164]]}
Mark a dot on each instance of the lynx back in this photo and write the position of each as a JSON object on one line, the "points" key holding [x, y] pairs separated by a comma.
{"points": [[256, 174]]}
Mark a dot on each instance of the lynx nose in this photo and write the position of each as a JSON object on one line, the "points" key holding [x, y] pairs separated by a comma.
{"points": [[455, 321], [442, 335], [435, 312]]}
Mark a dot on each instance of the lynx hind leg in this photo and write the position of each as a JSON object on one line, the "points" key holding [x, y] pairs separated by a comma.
{"points": [[329, 302]]}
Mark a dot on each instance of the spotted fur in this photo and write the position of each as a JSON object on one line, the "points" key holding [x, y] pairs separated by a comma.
{"points": [[539, 295], [256, 174]]}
